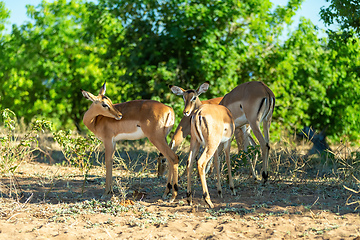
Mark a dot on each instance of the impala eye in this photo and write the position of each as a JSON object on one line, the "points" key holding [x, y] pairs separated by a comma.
{"points": [[105, 105], [193, 99]]}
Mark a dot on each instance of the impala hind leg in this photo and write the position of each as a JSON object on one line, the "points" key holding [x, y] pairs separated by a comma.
{"points": [[211, 164], [204, 158], [181, 132], [264, 149], [227, 146], [217, 167], [247, 141], [172, 182], [194, 150], [266, 126], [162, 165]]}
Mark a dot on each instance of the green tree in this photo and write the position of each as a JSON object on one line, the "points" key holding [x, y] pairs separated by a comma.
{"points": [[343, 47], [344, 91], [297, 70], [56, 56], [4, 15], [315, 82], [139, 47], [346, 13], [189, 42], [13, 85]]}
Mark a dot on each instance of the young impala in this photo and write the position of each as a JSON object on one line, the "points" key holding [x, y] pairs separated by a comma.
{"points": [[210, 125], [130, 121], [253, 103], [183, 129], [192, 102]]}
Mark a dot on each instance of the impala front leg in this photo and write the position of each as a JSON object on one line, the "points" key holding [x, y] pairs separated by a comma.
{"points": [[109, 152]]}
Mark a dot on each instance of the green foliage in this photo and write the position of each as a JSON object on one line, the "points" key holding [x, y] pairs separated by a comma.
{"points": [[4, 15], [55, 57], [78, 150], [140, 47], [300, 82], [18, 147], [346, 13], [188, 43], [241, 160], [344, 65]]}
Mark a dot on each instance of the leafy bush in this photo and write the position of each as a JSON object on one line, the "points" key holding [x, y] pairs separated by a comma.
{"points": [[18, 147], [139, 47], [78, 150]]}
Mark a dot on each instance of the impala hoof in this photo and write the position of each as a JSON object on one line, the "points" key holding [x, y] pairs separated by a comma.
{"points": [[189, 198], [164, 197], [233, 192], [265, 176], [107, 196], [209, 203]]}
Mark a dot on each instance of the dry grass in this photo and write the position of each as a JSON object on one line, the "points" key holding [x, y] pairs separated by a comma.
{"points": [[47, 196]]}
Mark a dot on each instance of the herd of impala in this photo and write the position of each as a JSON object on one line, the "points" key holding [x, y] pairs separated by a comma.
{"points": [[210, 123]]}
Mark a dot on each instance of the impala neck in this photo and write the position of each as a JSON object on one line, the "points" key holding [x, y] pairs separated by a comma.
{"points": [[90, 119], [198, 103]]}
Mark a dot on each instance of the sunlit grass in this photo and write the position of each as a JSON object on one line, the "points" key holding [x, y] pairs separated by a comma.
{"points": [[135, 175]]}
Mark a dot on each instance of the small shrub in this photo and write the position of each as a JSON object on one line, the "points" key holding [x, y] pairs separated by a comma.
{"points": [[78, 150], [16, 147]]}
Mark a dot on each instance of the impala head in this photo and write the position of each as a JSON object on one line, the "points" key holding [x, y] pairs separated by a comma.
{"points": [[103, 104], [191, 97]]}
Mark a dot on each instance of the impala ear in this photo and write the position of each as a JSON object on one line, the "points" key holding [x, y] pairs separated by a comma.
{"points": [[88, 95], [203, 88], [177, 90], [103, 89]]}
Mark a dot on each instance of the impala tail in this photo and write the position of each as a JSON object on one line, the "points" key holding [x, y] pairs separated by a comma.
{"points": [[266, 108]]}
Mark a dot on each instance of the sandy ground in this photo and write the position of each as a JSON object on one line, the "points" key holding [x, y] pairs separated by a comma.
{"points": [[54, 207]]}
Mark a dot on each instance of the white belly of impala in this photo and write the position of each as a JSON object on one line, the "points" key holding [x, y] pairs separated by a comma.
{"points": [[138, 134]]}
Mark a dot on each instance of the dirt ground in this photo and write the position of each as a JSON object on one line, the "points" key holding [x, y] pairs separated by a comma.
{"points": [[54, 207]]}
